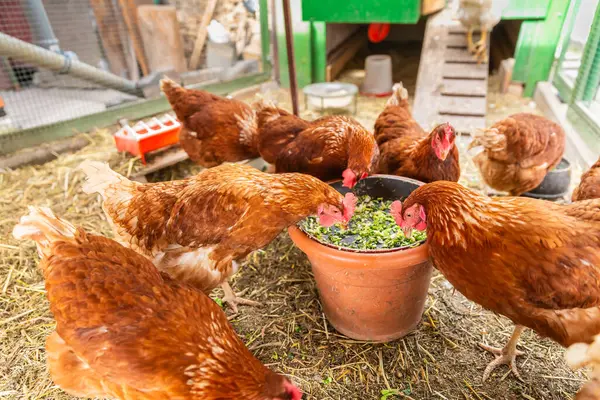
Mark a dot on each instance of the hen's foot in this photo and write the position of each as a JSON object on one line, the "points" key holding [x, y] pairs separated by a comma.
{"points": [[481, 53], [233, 299], [506, 355], [502, 358]]}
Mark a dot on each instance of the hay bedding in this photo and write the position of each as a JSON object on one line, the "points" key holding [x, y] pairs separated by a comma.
{"points": [[290, 334]]}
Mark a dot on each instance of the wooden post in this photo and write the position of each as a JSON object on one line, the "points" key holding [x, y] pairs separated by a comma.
{"points": [[289, 42], [275, 58], [201, 35], [127, 8]]}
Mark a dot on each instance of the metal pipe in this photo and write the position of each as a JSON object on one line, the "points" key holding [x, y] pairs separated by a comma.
{"points": [[27, 52], [43, 35], [289, 42]]}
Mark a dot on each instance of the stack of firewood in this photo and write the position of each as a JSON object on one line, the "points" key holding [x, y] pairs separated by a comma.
{"points": [[243, 26]]}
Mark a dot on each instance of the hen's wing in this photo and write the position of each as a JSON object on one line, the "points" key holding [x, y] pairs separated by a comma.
{"points": [[524, 139], [554, 259], [318, 151], [589, 187], [124, 320], [230, 208], [277, 134], [395, 155], [396, 122]]}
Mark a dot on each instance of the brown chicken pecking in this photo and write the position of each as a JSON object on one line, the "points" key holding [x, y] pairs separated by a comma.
{"points": [[407, 150], [518, 152], [589, 187], [276, 129], [535, 262], [215, 129], [125, 330], [580, 355], [327, 148], [196, 228]]}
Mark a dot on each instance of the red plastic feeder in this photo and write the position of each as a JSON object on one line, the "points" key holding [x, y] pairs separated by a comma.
{"points": [[149, 136]]}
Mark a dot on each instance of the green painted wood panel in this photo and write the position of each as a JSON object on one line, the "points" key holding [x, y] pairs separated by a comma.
{"points": [[319, 51], [362, 11], [526, 9], [536, 46], [303, 52]]}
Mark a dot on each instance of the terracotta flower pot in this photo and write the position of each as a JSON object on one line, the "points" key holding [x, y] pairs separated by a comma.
{"points": [[374, 295]]}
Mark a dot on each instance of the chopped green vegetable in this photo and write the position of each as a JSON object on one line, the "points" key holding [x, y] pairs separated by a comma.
{"points": [[372, 227]]}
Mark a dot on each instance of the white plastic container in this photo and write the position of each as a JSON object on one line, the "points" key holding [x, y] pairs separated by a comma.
{"points": [[378, 76]]}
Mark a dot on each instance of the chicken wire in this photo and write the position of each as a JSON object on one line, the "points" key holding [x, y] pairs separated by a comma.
{"points": [[108, 35]]}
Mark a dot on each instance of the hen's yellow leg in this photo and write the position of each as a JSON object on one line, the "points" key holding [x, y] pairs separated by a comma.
{"points": [[470, 45], [481, 48], [483, 39], [506, 355]]}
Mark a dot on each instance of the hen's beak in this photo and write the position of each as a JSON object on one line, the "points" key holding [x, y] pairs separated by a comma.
{"points": [[444, 154], [407, 232]]}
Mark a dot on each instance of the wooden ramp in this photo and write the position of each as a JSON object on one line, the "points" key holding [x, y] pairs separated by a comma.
{"points": [[451, 86]]}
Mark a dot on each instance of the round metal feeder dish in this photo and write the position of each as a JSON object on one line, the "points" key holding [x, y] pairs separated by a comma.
{"points": [[326, 95], [556, 183]]}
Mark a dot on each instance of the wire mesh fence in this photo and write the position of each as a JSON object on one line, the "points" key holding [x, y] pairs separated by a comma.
{"points": [[135, 40]]}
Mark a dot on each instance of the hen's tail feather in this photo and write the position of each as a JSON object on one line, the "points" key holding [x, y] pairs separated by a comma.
{"points": [[44, 228], [491, 139], [99, 177], [267, 111], [399, 95], [262, 104]]}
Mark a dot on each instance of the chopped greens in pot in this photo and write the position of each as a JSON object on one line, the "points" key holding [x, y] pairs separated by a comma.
{"points": [[371, 228]]}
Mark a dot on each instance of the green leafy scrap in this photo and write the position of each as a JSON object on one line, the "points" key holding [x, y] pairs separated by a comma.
{"points": [[372, 227]]}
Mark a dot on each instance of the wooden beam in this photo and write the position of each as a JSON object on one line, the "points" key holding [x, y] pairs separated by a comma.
{"points": [[159, 29], [130, 22], [201, 34], [465, 71], [343, 54], [464, 87], [106, 21]]}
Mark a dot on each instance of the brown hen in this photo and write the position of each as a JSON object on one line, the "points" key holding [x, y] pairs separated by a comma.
{"points": [[125, 330], [518, 152], [215, 129], [196, 228], [327, 148], [589, 187], [407, 150], [276, 129], [583, 354], [535, 262]]}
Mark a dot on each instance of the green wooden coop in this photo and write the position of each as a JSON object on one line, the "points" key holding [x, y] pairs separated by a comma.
{"points": [[317, 24]]}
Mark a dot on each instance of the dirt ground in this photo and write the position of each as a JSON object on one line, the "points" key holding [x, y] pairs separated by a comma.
{"points": [[441, 359]]}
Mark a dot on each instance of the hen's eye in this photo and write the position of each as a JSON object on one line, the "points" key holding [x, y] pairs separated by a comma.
{"points": [[409, 215]]}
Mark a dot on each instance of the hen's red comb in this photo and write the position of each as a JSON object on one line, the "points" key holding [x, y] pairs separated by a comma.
{"points": [[349, 202], [396, 208], [293, 390], [396, 211], [449, 130]]}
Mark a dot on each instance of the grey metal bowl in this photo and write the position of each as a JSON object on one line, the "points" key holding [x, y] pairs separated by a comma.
{"points": [[556, 183]]}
